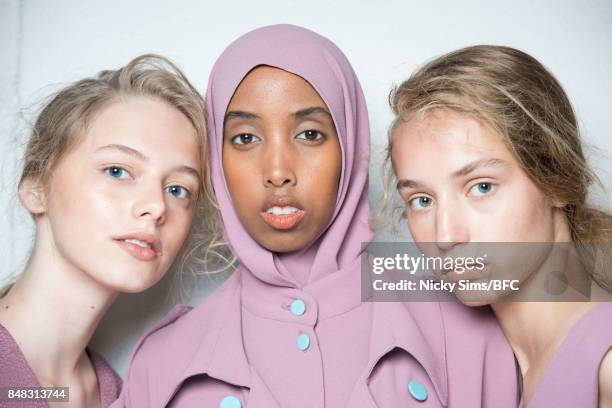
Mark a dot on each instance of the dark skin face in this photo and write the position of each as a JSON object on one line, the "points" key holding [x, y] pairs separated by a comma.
{"points": [[281, 158]]}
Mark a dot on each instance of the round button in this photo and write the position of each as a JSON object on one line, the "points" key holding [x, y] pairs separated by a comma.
{"points": [[230, 402], [303, 341], [417, 390], [298, 307]]}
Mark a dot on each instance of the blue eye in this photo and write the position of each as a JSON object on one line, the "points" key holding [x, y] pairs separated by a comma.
{"points": [[179, 192], [244, 138], [117, 172], [420, 203], [482, 189], [312, 135]]}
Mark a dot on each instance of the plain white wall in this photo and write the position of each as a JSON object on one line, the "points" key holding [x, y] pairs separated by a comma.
{"points": [[46, 44]]}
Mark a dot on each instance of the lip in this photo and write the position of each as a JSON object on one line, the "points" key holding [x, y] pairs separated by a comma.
{"points": [[138, 252], [282, 222]]}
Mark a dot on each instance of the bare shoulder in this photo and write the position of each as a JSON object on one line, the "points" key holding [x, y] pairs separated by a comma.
{"points": [[605, 381]]}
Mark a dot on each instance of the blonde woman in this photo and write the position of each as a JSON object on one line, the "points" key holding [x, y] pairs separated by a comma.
{"points": [[113, 174], [485, 148]]}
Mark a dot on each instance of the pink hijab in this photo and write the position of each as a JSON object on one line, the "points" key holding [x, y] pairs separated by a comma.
{"points": [[318, 61]]}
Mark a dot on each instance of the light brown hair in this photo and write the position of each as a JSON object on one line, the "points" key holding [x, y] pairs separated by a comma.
{"points": [[516, 96]]}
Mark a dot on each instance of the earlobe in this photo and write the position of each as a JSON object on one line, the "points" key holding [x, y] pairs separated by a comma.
{"points": [[32, 196]]}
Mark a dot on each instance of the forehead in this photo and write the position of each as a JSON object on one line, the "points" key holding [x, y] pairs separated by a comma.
{"points": [[266, 87], [446, 133], [150, 125]]}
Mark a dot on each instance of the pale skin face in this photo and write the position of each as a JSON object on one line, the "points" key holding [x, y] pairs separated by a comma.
{"points": [[135, 175], [461, 184], [281, 158]]}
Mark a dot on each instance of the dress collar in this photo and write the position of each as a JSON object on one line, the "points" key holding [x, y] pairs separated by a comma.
{"points": [[415, 327]]}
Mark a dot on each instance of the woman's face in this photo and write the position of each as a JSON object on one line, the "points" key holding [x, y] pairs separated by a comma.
{"points": [[281, 158], [461, 184], [121, 202]]}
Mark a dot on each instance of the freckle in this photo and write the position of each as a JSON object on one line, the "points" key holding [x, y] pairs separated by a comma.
{"points": [[6, 307], [91, 307]]}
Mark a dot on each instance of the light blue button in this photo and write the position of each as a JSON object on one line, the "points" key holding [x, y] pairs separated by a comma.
{"points": [[230, 402], [417, 390], [303, 341], [298, 307]]}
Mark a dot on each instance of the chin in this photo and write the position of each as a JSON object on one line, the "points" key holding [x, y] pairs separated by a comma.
{"points": [[132, 282], [283, 244]]}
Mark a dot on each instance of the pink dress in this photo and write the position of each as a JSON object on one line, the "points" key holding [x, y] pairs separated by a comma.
{"points": [[197, 357], [16, 372], [572, 377]]}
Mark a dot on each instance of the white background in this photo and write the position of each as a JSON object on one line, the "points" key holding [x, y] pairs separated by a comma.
{"points": [[46, 44]]}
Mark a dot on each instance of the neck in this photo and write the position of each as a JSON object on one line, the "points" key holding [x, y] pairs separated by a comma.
{"points": [[535, 330], [52, 311]]}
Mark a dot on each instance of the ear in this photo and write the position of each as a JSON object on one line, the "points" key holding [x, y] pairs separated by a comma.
{"points": [[32, 196]]}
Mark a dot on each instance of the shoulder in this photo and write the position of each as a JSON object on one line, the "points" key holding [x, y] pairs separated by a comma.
{"points": [[168, 347], [109, 381], [605, 381], [185, 322], [14, 368]]}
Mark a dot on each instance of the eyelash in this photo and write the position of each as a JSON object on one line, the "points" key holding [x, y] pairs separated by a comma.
{"points": [[108, 170], [186, 193], [239, 137], [320, 135], [413, 200]]}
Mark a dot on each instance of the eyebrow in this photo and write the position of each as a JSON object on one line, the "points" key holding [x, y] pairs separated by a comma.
{"points": [[314, 110], [239, 115], [462, 172], [124, 149], [135, 153]]}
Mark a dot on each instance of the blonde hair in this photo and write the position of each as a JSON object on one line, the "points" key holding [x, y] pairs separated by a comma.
{"points": [[516, 96], [63, 121]]}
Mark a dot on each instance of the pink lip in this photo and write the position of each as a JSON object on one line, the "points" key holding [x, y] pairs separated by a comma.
{"points": [[138, 252], [285, 221]]}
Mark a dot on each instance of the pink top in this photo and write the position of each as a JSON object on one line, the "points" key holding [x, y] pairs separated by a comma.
{"points": [[572, 377], [16, 372], [198, 358]]}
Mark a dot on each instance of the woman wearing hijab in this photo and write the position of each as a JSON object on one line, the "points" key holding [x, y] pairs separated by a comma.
{"points": [[289, 145]]}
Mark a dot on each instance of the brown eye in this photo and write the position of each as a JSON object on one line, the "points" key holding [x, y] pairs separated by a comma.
{"points": [[244, 139], [312, 135]]}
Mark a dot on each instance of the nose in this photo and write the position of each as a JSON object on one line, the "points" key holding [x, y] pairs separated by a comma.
{"points": [[279, 164], [451, 226], [150, 203]]}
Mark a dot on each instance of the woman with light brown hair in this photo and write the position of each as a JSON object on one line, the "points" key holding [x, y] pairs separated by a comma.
{"points": [[114, 172], [485, 148]]}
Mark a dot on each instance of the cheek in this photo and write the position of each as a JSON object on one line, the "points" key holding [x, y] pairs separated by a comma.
{"points": [[420, 229], [323, 181], [519, 214], [81, 197], [242, 181], [175, 232]]}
